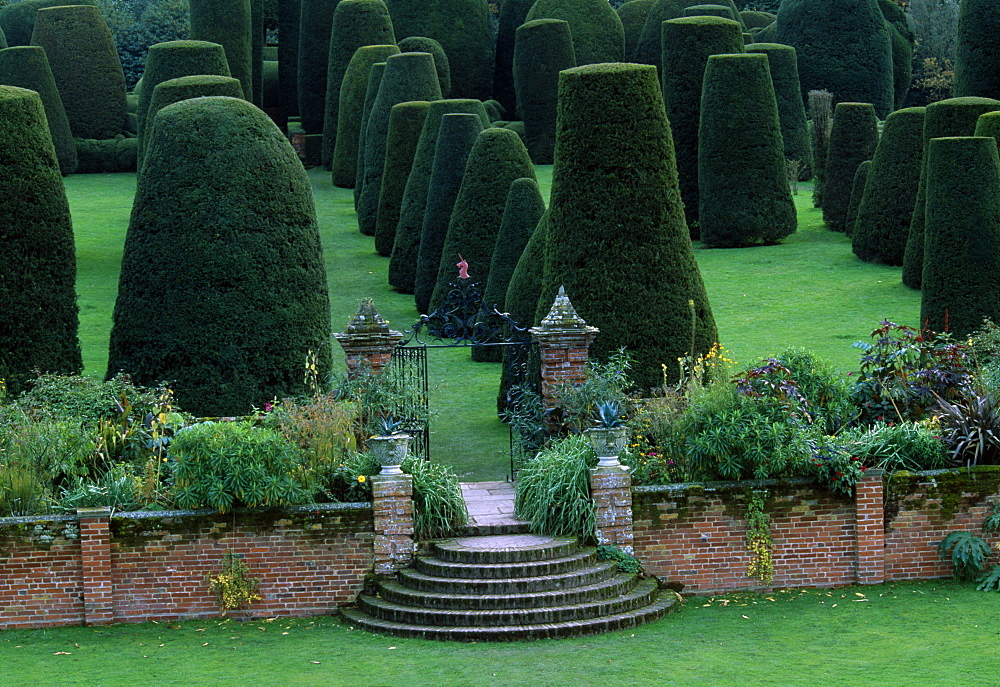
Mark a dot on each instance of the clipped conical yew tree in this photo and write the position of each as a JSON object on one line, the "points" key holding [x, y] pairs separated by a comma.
{"points": [[233, 270], [857, 191], [185, 87], [456, 136], [86, 68], [649, 49], [633, 15], [977, 60], [3, 40], [951, 117], [756, 19], [597, 31], [356, 23], [315, 27], [406, 121], [883, 223], [687, 44], [26, 66], [721, 11], [791, 110], [17, 19], [616, 237], [288, 56], [852, 141], [961, 275], [38, 330], [821, 30], [409, 230], [374, 81], [521, 214], [408, 76], [429, 45], [465, 32], [525, 287], [512, 15], [172, 60], [228, 23], [497, 159], [542, 49], [344, 164], [744, 197], [903, 43]]}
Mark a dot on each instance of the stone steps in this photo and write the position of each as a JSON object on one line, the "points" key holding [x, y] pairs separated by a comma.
{"points": [[508, 587]]}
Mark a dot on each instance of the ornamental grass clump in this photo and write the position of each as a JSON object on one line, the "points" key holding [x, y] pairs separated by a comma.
{"points": [[438, 505], [553, 490]]}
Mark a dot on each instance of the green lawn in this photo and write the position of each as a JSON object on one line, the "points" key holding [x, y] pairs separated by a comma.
{"points": [[930, 633], [810, 291]]}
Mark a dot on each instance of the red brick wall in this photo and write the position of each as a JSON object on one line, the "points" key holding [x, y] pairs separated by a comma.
{"points": [[41, 581], [922, 508], [696, 535], [308, 561]]}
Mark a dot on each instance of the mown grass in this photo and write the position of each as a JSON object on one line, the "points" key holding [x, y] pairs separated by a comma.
{"points": [[809, 291], [927, 633]]}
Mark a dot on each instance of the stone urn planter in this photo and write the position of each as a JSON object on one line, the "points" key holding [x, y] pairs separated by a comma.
{"points": [[390, 449], [608, 443]]}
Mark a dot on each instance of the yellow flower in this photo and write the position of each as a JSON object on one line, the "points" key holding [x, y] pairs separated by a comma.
{"points": [[361, 478]]}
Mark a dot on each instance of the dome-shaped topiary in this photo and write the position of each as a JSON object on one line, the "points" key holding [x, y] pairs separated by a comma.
{"points": [[86, 68], [766, 34], [406, 121], [429, 45], [542, 49], [616, 236], [228, 23], [783, 63], [17, 19], [852, 141], [26, 66], [356, 23], [597, 31], [288, 56], [951, 117], [633, 15], [523, 210], [857, 191], [961, 275], [497, 159], [711, 11], [844, 46], [38, 330], [512, 15], [371, 93], [408, 76], [233, 270], [755, 19], [315, 27], [465, 32], [183, 88], [344, 164], [687, 44], [883, 223], [744, 197], [171, 60], [409, 230], [977, 61]]}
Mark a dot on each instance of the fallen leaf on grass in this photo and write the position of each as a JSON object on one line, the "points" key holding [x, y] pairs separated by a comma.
{"points": [[205, 644], [316, 662], [747, 617], [62, 653]]}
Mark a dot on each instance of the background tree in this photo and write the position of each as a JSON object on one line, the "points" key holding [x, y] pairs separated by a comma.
{"points": [[37, 257], [616, 236], [234, 272]]}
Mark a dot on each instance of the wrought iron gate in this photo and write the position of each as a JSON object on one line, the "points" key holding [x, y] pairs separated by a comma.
{"points": [[464, 320]]}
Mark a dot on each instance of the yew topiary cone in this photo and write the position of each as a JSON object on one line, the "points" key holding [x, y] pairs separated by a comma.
{"points": [[852, 141], [228, 23], [598, 34], [783, 64], [616, 236], [233, 270], [961, 275], [977, 61], [38, 330], [406, 121], [315, 26]]}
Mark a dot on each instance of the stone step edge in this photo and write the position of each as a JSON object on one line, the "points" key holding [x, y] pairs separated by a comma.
{"points": [[440, 584], [581, 559], [640, 596], [619, 584], [573, 628], [451, 550]]}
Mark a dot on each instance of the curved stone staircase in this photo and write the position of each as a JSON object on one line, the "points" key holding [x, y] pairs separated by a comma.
{"points": [[508, 587]]}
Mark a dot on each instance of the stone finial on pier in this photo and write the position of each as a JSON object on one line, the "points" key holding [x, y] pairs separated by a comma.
{"points": [[564, 340], [367, 339]]}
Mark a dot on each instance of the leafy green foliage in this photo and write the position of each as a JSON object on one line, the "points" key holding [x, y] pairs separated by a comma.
{"points": [[118, 488], [989, 581], [387, 395], [439, 507], [910, 446], [226, 465], [627, 563], [971, 427], [553, 490], [968, 554], [137, 26]]}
